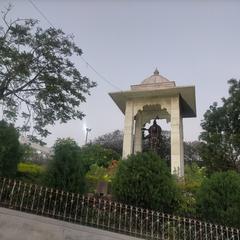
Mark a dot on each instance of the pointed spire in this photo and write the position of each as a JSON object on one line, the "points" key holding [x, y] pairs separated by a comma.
{"points": [[156, 72]]}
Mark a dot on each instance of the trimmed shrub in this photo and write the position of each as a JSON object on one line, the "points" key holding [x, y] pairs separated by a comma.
{"points": [[218, 199], [144, 180]]}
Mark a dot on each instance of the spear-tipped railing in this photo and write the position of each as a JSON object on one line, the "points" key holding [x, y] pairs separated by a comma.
{"points": [[109, 215]]}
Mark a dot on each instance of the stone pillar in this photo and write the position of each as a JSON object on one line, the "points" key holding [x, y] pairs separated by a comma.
{"points": [[177, 158], [128, 130], [138, 133]]}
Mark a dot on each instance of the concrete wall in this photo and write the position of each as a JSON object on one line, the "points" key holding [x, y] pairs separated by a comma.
{"points": [[15, 225]]}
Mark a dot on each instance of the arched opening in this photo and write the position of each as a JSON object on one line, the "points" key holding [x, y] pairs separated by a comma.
{"points": [[164, 148]]}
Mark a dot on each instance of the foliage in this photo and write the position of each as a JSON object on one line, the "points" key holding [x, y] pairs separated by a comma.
{"points": [[30, 172], [218, 199], [165, 147], [95, 175], [112, 168], [38, 80], [144, 180], [96, 154], [65, 170], [31, 155], [30, 168], [193, 178], [10, 151], [113, 140], [192, 152], [221, 136], [98, 174]]}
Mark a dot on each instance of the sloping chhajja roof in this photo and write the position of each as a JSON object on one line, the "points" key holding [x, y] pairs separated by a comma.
{"points": [[158, 86]]}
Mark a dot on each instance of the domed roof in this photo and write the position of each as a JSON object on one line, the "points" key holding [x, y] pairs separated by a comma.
{"points": [[155, 78], [156, 81]]}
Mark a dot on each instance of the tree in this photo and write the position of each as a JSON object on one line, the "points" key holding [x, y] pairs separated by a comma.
{"points": [[33, 155], [191, 152], [218, 199], [144, 180], [113, 140], [10, 150], [38, 80], [221, 136], [66, 170], [96, 154]]}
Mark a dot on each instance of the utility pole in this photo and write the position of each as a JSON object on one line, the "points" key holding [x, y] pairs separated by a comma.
{"points": [[87, 131]]}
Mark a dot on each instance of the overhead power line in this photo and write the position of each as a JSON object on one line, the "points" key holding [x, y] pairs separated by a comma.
{"points": [[99, 74], [83, 59], [41, 13]]}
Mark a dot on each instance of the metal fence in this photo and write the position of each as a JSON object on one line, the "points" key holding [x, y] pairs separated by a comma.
{"points": [[109, 215]]}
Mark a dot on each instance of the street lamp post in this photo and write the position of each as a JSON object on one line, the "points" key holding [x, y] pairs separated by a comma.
{"points": [[87, 131]]}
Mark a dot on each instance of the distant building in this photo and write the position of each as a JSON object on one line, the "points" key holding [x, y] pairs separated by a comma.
{"points": [[40, 153]]}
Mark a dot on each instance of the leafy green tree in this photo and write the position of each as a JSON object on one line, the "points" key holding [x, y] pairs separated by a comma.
{"points": [[66, 170], [218, 199], [144, 180], [38, 80], [165, 147], [112, 140], [10, 151], [221, 136], [192, 152], [96, 154], [32, 155]]}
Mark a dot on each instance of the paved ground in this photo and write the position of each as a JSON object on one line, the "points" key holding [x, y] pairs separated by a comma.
{"points": [[15, 225]]}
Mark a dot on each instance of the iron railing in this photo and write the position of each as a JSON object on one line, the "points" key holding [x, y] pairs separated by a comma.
{"points": [[109, 215]]}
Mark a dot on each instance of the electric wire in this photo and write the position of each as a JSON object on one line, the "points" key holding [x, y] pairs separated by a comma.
{"points": [[83, 59]]}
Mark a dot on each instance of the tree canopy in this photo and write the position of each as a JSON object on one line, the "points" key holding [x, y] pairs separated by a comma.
{"points": [[221, 136], [38, 79], [10, 150], [192, 152], [97, 154], [112, 140]]}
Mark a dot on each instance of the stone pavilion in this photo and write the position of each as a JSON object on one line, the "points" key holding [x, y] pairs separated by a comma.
{"points": [[156, 96]]}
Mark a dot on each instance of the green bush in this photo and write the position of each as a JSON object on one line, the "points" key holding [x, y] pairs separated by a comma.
{"points": [[10, 151], [96, 154], [144, 180], [218, 199], [31, 168], [65, 170], [30, 172], [94, 176], [193, 178]]}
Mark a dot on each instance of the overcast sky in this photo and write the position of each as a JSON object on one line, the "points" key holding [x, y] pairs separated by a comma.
{"points": [[192, 42]]}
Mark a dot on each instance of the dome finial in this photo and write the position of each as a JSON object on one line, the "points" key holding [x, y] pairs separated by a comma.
{"points": [[156, 72]]}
